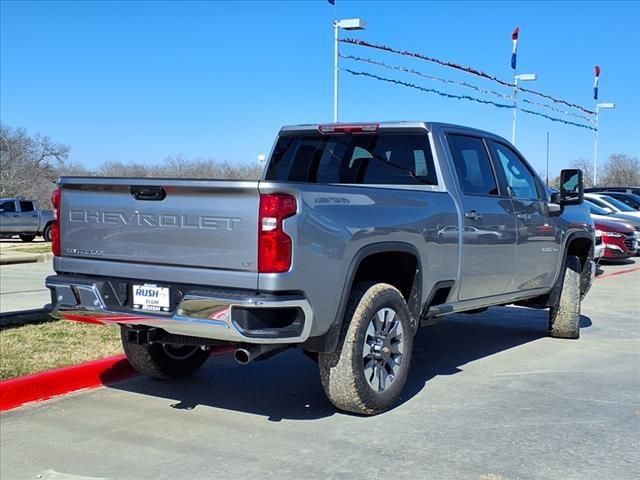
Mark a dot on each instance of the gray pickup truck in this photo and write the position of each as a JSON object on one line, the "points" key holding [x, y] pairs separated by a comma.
{"points": [[24, 218], [356, 235]]}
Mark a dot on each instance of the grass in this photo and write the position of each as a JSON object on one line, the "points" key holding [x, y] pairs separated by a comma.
{"points": [[38, 248], [35, 348]]}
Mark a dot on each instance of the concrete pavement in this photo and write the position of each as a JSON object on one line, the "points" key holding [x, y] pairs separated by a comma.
{"points": [[22, 286], [490, 397]]}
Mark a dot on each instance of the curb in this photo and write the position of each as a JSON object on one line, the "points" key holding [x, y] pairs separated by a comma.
{"points": [[23, 317], [10, 259], [41, 386], [61, 381]]}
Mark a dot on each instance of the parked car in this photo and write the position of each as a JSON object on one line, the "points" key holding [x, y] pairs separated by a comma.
{"points": [[630, 199], [598, 213], [332, 251], [616, 206], [635, 190], [599, 246], [25, 219], [619, 240]]}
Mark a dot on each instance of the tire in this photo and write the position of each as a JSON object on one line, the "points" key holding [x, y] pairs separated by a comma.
{"points": [[564, 317], [46, 233], [27, 238], [376, 339], [163, 361]]}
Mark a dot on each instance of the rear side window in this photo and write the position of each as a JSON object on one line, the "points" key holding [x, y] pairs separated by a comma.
{"points": [[472, 164], [26, 206], [8, 206], [380, 158]]}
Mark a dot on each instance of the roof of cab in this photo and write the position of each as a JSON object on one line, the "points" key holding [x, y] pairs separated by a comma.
{"points": [[429, 126]]}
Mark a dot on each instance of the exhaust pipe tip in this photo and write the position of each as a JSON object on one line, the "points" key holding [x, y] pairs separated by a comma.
{"points": [[242, 356]]}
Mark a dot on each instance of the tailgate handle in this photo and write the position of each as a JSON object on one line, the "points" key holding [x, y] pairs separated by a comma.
{"points": [[148, 193]]}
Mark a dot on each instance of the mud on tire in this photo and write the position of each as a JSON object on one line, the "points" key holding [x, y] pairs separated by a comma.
{"points": [[163, 361], [564, 317], [367, 372]]}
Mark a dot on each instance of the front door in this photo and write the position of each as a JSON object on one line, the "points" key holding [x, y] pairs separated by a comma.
{"points": [[539, 236], [489, 224], [9, 217]]}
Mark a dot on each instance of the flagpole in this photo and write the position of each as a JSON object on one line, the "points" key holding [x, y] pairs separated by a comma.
{"points": [[514, 53], [336, 56], [595, 147]]}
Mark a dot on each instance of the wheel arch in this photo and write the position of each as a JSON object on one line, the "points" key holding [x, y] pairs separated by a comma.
{"points": [[412, 293]]}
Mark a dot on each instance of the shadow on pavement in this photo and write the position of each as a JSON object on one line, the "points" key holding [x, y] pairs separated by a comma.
{"points": [[287, 386]]}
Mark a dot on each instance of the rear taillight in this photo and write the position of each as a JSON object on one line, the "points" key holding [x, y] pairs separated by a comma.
{"points": [[274, 245], [56, 198]]}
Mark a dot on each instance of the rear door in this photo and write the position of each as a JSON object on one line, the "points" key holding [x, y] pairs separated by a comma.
{"points": [[29, 221], [539, 235], [489, 233]]}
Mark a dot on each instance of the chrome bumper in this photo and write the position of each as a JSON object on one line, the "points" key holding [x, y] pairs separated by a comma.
{"points": [[205, 316]]}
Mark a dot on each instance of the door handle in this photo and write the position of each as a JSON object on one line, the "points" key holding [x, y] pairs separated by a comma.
{"points": [[524, 216], [34, 216], [473, 215]]}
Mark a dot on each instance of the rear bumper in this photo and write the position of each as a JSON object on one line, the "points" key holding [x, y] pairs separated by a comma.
{"points": [[225, 315]]}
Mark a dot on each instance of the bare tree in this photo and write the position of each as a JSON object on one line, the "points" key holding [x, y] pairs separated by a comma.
{"points": [[620, 171], [586, 166], [28, 164]]}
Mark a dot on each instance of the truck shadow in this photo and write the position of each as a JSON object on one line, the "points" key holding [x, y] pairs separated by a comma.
{"points": [[287, 386]]}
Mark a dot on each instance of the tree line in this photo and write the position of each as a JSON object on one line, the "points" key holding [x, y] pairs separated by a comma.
{"points": [[30, 165]]}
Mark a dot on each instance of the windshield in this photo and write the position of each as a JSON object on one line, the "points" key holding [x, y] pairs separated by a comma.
{"points": [[595, 209], [618, 204]]}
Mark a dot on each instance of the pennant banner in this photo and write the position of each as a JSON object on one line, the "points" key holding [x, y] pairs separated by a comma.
{"points": [[558, 110], [595, 82], [427, 90], [461, 97], [554, 119], [463, 68], [424, 75]]}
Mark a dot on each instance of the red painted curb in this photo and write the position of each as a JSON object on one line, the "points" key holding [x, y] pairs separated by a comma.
{"points": [[61, 381], [44, 385], [619, 272]]}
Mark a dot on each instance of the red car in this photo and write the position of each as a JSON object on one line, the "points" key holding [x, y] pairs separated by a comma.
{"points": [[619, 239]]}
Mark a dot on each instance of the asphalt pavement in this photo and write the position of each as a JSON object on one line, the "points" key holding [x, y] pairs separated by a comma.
{"points": [[490, 397], [22, 286]]}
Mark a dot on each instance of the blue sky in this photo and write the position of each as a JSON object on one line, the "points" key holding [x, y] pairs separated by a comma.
{"points": [[129, 81]]}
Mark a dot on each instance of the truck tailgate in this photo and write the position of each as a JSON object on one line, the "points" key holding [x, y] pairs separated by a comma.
{"points": [[178, 223]]}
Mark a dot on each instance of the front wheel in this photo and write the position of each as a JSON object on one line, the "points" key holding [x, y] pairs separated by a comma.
{"points": [[564, 316], [27, 238], [163, 361], [367, 372]]}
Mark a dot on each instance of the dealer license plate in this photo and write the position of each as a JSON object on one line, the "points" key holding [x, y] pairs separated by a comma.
{"points": [[151, 297]]}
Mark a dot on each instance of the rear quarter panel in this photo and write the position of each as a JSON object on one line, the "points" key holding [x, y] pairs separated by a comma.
{"points": [[335, 221]]}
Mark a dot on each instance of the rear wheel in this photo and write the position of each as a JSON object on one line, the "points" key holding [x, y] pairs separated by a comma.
{"points": [[27, 238], [368, 370], [564, 317], [46, 233], [163, 361]]}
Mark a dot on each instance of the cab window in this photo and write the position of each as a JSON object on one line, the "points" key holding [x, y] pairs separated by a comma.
{"points": [[520, 181]]}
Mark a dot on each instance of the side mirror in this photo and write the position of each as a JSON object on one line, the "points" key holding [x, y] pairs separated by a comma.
{"points": [[571, 187], [607, 209]]}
